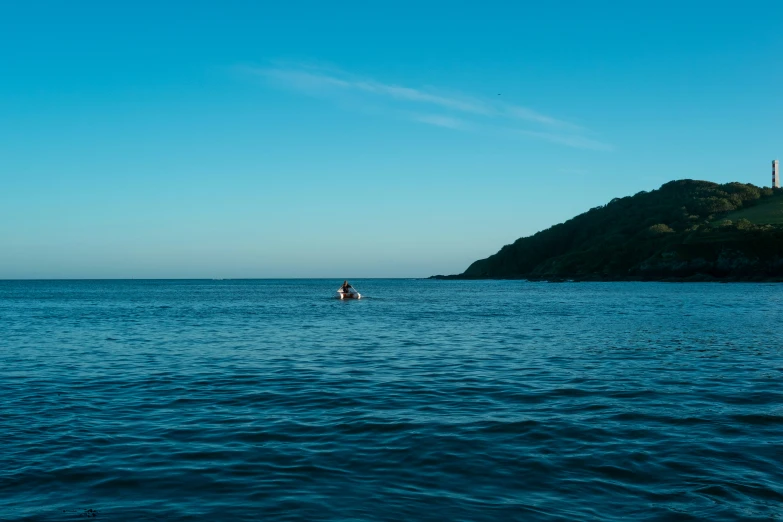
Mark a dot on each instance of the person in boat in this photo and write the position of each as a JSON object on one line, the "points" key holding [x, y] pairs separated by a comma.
{"points": [[346, 288]]}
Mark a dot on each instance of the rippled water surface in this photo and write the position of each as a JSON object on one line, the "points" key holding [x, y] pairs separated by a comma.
{"points": [[429, 400]]}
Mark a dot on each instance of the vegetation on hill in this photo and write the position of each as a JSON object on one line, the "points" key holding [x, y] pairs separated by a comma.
{"points": [[769, 211], [686, 230]]}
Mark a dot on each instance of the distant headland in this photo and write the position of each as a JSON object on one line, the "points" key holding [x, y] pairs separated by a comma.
{"points": [[687, 230]]}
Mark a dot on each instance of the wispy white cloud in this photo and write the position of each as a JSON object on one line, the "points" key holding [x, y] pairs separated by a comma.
{"points": [[458, 111], [523, 113], [441, 121], [571, 140], [319, 83]]}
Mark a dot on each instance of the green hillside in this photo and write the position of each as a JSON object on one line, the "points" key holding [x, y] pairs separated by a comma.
{"points": [[768, 211], [687, 229]]}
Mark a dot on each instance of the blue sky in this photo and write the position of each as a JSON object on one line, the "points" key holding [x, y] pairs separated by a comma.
{"points": [[317, 139]]}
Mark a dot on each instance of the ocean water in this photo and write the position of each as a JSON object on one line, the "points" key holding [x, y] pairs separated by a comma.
{"points": [[428, 400]]}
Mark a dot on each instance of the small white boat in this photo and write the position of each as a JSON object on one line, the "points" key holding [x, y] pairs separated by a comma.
{"points": [[350, 294]]}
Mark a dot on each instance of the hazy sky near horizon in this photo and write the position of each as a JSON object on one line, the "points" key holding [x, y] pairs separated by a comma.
{"points": [[359, 139]]}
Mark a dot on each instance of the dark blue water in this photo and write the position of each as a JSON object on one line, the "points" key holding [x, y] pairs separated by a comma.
{"points": [[429, 400]]}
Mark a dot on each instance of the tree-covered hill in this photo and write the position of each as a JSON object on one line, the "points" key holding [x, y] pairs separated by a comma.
{"points": [[769, 211], [687, 229]]}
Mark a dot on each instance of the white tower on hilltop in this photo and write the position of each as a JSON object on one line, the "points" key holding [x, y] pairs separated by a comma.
{"points": [[775, 174]]}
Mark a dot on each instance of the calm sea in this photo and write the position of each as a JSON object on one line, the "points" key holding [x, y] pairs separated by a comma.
{"points": [[428, 400]]}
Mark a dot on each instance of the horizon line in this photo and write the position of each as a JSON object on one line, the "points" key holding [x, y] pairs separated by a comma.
{"points": [[197, 278]]}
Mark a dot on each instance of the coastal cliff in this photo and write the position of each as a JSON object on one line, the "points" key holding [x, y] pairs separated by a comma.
{"points": [[685, 230]]}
